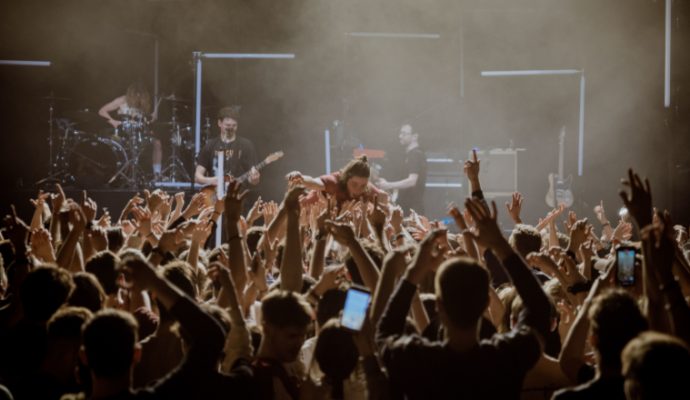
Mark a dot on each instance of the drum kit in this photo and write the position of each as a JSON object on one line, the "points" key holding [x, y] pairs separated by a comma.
{"points": [[85, 154]]}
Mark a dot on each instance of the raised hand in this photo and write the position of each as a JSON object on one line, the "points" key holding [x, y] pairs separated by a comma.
{"points": [[397, 218], [342, 232], [572, 219], [42, 245], [377, 217], [233, 202], [579, 232], [58, 198], [639, 200], [471, 167], [291, 200], [154, 200], [330, 279], [514, 207], [551, 216], [196, 205], [104, 220], [77, 217], [269, 211], [454, 212], [201, 232], [601, 213], [623, 231], [255, 212], [430, 255], [488, 234], [98, 238], [89, 207], [295, 178]]}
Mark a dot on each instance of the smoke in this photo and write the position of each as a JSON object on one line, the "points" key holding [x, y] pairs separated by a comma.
{"points": [[374, 84]]}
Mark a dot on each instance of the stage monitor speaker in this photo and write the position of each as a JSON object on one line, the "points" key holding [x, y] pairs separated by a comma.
{"points": [[498, 172]]}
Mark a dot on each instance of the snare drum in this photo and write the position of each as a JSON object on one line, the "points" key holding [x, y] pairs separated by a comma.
{"points": [[94, 160]]}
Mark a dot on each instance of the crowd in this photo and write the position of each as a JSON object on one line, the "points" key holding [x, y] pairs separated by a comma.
{"points": [[143, 306]]}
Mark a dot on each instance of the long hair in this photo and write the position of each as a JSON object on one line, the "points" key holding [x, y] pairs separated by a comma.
{"points": [[138, 97], [356, 167]]}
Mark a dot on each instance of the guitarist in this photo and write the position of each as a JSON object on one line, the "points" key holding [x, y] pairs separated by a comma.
{"points": [[411, 188], [239, 153]]}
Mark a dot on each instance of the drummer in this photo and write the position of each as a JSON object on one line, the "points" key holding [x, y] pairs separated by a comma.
{"points": [[135, 104]]}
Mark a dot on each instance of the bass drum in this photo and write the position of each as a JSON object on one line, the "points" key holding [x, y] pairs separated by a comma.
{"points": [[94, 161]]}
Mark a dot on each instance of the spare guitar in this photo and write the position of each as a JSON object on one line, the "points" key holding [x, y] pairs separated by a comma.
{"points": [[559, 188]]}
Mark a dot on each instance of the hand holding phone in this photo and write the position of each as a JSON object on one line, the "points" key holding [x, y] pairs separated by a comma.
{"points": [[355, 310], [625, 265]]}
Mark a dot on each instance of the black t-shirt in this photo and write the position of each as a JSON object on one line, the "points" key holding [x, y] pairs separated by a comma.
{"points": [[240, 156], [415, 163]]}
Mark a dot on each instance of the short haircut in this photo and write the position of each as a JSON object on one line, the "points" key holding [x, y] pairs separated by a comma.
{"points": [[525, 239], [656, 366], [109, 339], [179, 273], [615, 320], [337, 354], [462, 288], [67, 323], [284, 309], [104, 265], [87, 293], [229, 112], [43, 291]]}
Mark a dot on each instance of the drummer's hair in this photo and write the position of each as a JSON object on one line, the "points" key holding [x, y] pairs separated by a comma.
{"points": [[229, 112]]}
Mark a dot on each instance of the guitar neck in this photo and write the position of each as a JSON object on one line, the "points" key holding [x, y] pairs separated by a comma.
{"points": [[242, 178]]}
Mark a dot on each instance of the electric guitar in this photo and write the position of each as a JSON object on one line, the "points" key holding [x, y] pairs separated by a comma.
{"points": [[375, 170], [273, 157], [559, 188]]}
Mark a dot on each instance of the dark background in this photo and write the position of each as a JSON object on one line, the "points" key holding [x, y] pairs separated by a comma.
{"points": [[97, 48]]}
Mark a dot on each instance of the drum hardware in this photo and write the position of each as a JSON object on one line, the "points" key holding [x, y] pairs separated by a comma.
{"points": [[134, 138], [175, 171], [93, 160], [57, 170]]}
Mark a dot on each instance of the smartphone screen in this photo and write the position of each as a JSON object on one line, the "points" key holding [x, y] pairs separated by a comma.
{"points": [[355, 311], [625, 263]]}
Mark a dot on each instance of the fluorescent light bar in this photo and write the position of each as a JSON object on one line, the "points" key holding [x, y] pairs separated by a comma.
{"points": [[26, 63], [439, 160], [528, 72], [667, 57], [391, 35], [444, 185], [248, 55]]}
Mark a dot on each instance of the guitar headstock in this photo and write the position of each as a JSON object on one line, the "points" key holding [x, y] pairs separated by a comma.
{"points": [[274, 156]]}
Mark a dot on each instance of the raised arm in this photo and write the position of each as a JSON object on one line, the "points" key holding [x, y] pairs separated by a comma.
{"points": [[345, 235], [537, 307], [233, 211], [291, 264]]}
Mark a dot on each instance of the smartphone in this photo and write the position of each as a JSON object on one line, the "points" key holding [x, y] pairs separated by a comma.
{"points": [[625, 265], [355, 310]]}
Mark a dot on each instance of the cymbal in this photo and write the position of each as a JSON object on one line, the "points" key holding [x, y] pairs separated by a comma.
{"points": [[176, 99], [81, 115], [54, 98]]}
